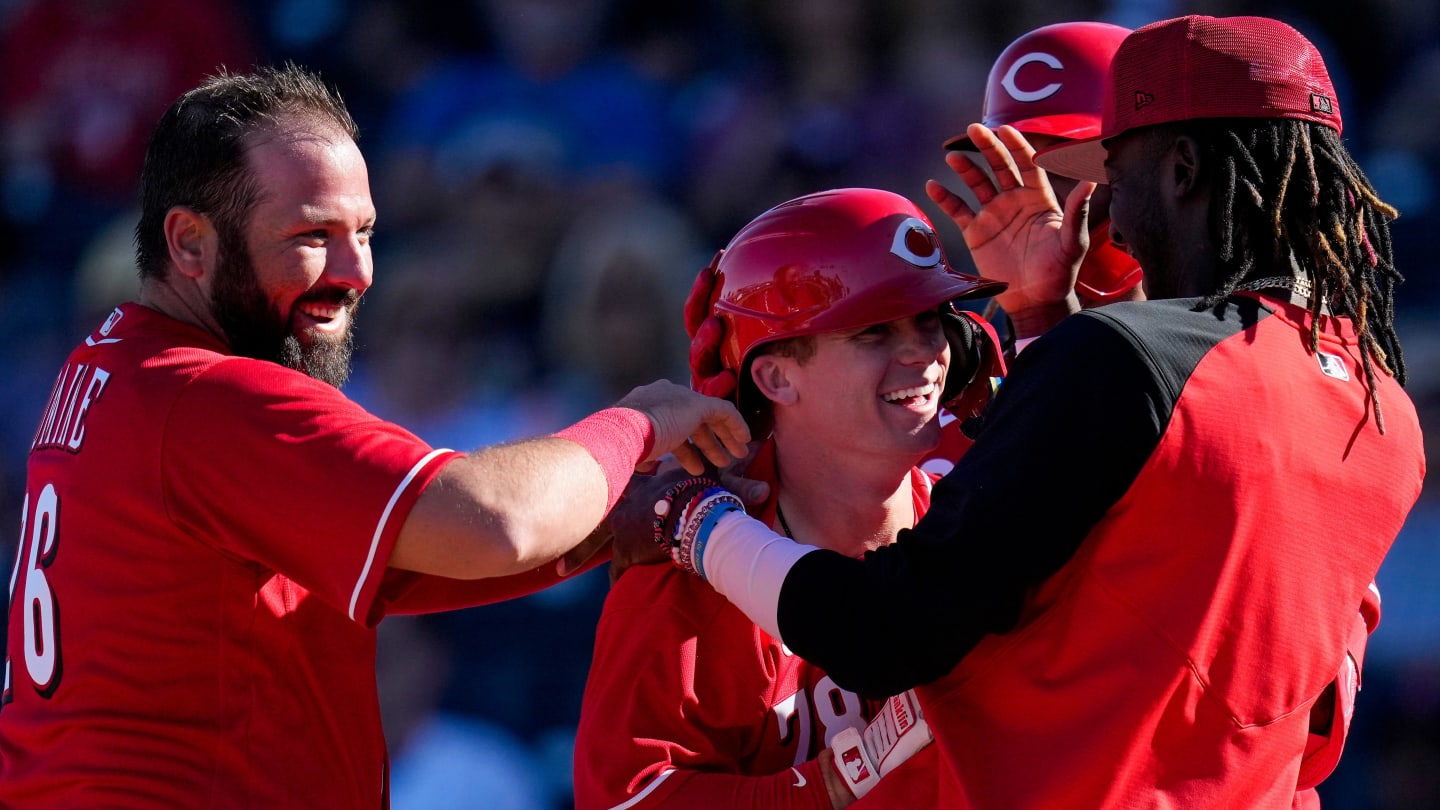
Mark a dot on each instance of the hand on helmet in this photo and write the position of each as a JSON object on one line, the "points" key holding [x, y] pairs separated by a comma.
{"points": [[708, 374], [1019, 233]]}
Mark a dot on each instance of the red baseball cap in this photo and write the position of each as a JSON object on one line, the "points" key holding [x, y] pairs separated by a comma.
{"points": [[1050, 81], [1203, 67]]}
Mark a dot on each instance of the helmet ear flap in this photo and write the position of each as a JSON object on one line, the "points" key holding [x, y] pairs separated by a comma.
{"points": [[721, 386], [708, 374], [700, 303], [705, 349], [977, 361]]}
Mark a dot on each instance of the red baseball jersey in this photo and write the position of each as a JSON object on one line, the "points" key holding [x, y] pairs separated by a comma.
{"points": [[1154, 620], [688, 701], [1188, 636], [202, 563]]}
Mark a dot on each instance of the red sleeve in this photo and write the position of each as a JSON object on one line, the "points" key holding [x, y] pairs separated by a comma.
{"points": [[915, 784], [799, 787], [283, 470], [677, 700]]}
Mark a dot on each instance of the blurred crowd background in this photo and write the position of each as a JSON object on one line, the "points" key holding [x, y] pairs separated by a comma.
{"points": [[550, 174]]}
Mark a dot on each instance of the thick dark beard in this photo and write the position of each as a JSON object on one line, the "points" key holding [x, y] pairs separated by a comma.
{"points": [[256, 330]]}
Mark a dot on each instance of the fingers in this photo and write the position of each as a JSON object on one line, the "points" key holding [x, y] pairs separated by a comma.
{"points": [[975, 176], [1076, 235], [1021, 156], [721, 437], [717, 446], [997, 154], [690, 459], [729, 427], [689, 424], [752, 492], [1009, 163], [709, 445], [950, 202]]}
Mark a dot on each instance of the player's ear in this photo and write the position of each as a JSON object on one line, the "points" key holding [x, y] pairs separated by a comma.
{"points": [[769, 372], [192, 241], [1187, 164]]}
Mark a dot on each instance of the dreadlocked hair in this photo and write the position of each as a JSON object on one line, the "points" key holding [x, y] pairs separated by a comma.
{"points": [[1288, 188]]}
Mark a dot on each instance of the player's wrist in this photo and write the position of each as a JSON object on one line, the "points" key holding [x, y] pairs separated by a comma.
{"points": [[618, 439], [835, 787], [686, 516], [1035, 318], [897, 732]]}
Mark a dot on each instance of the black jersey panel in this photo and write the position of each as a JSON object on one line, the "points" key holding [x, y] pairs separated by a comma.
{"points": [[1070, 429]]}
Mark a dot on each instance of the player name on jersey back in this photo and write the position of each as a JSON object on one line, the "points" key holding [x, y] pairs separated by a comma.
{"points": [[76, 389]]}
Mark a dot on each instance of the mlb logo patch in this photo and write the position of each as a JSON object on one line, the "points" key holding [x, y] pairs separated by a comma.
{"points": [[1333, 365], [854, 764]]}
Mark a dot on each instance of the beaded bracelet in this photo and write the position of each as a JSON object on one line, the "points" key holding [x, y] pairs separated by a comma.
{"points": [[666, 504], [723, 506], [689, 524], [689, 551]]}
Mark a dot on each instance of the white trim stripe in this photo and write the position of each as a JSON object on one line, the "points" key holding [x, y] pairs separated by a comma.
{"points": [[646, 792], [385, 518]]}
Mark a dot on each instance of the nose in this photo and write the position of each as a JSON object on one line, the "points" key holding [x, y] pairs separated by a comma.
{"points": [[349, 263], [922, 342]]}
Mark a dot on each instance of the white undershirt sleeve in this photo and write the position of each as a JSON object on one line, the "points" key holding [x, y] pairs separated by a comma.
{"points": [[747, 563]]}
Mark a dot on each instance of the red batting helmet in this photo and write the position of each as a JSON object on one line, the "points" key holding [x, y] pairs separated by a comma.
{"points": [[840, 259], [1051, 81]]}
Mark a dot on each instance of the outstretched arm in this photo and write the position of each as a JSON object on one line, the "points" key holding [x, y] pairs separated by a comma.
{"points": [[509, 508], [1011, 513]]}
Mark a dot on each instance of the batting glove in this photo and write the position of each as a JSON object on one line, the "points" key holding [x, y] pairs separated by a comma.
{"points": [[895, 735]]}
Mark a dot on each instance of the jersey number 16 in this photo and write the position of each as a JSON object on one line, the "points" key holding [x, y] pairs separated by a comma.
{"points": [[37, 609]]}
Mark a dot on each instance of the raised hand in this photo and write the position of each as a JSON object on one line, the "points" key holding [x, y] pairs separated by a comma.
{"points": [[1019, 234]]}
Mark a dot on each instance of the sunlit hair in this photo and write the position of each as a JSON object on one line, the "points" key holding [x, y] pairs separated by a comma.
{"points": [[1289, 187], [196, 155]]}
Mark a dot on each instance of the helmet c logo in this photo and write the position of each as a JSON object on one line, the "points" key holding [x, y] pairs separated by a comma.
{"points": [[916, 243], [1031, 95]]}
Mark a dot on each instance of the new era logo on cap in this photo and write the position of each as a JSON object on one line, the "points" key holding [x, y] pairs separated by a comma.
{"points": [[1142, 99]]}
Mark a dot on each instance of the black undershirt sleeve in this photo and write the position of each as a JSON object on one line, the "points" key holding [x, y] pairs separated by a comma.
{"points": [[1068, 432]]}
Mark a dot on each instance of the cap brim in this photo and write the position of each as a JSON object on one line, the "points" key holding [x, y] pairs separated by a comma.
{"points": [[1078, 160], [904, 296], [1060, 125]]}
